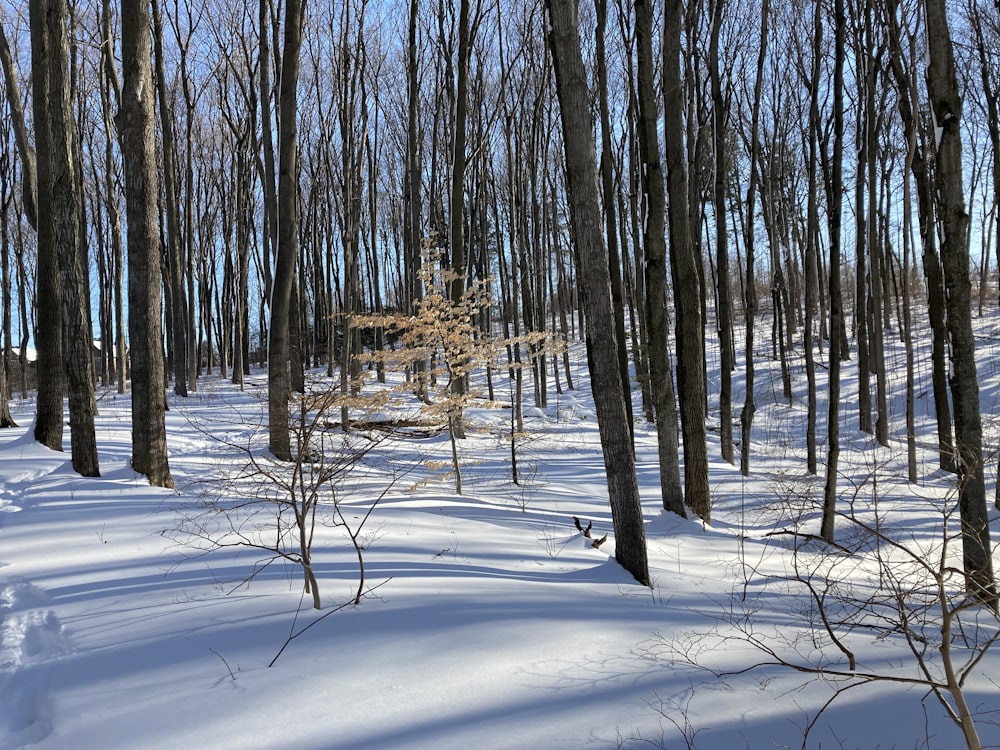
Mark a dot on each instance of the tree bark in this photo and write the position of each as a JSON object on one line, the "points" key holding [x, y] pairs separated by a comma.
{"points": [[66, 206], [687, 281], [610, 219], [907, 98], [946, 103], [48, 288], [178, 300], [750, 280], [286, 252], [585, 226], [137, 129], [720, 121], [654, 241], [29, 196], [835, 194]]}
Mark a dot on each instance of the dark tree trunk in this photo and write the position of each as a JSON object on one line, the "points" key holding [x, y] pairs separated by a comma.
{"points": [[29, 197], [906, 101], [138, 135], [585, 225], [610, 220], [178, 300], [74, 277], [286, 252], [654, 241], [942, 88], [750, 281], [835, 193], [48, 288], [686, 275], [720, 112]]}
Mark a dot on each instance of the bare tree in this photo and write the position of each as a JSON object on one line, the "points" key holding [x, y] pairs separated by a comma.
{"points": [[286, 251], [137, 129], [835, 192], [686, 275], [720, 123], [592, 264], [654, 242], [750, 280], [946, 103], [49, 334], [175, 264], [65, 206]]}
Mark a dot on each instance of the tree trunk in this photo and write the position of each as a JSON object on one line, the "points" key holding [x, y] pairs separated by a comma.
{"points": [[654, 241], [720, 112], [29, 196], [585, 225], [906, 101], [750, 281], [812, 245], [942, 88], [286, 252], [687, 282], [66, 207], [138, 135], [610, 220], [48, 287], [835, 194], [178, 300]]}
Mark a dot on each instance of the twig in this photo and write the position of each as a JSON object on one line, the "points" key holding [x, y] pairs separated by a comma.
{"points": [[224, 662]]}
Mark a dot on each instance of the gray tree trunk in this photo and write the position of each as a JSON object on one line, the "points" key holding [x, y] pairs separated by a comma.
{"points": [[29, 198], [178, 300], [138, 133], [720, 112], [942, 88], [585, 226], [279, 384], [610, 219], [835, 193], [907, 100], [654, 241], [686, 276], [66, 207], [48, 288], [750, 280]]}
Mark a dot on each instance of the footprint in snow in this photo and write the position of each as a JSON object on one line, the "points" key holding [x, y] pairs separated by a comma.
{"points": [[30, 636]]}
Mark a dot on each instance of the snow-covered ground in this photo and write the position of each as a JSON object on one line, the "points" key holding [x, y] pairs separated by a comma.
{"points": [[490, 621]]}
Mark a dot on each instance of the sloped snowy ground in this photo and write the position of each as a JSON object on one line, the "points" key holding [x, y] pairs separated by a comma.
{"points": [[493, 623]]}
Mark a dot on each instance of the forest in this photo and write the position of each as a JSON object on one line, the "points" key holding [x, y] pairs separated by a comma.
{"points": [[203, 187]]}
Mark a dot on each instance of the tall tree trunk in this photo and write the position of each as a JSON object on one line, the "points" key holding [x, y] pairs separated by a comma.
{"points": [[654, 241], [111, 87], [835, 194], [608, 193], [812, 244], [946, 102], [29, 199], [585, 223], [138, 136], [687, 281], [5, 346], [861, 238], [269, 237], [906, 101], [66, 207], [50, 367], [456, 211], [286, 252], [178, 300], [749, 233], [720, 114]]}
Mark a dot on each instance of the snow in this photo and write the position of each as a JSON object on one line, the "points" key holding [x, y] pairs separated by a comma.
{"points": [[490, 620]]}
